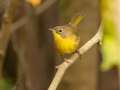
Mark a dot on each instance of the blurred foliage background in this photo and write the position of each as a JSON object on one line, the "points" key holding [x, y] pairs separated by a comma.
{"points": [[30, 58]]}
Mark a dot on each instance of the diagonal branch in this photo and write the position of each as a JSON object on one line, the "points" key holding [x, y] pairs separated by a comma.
{"points": [[47, 4], [64, 66]]}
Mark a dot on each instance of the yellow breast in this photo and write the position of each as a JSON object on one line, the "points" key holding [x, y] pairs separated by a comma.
{"points": [[66, 45]]}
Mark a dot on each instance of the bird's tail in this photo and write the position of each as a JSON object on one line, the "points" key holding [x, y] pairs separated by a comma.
{"points": [[75, 21]]}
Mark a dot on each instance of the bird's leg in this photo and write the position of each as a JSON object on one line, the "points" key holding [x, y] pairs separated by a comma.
{"points": [[77, 51], [67, 60]]}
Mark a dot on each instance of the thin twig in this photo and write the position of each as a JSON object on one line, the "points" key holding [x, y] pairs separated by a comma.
{"points": [[63, 67]]}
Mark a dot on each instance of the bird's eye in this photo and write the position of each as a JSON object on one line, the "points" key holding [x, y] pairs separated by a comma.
{"points": [[60, 30]]}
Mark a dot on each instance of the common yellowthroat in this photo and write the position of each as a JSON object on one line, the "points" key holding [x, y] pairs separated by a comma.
{"points": [[66, 38]]}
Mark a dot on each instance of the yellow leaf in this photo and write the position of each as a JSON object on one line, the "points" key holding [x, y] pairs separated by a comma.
{"points": [[34, 3]]}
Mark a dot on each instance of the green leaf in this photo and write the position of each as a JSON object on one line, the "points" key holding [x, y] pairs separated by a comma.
{"points": [[5, 84]]}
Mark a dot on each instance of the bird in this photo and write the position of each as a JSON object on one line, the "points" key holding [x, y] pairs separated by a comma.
{"points": [[65, 37]]}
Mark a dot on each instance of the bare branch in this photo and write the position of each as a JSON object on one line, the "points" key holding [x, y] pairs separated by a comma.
{"points": [[63, 67], [38, 11]]}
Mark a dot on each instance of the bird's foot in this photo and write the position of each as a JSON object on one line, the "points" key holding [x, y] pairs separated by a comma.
{"points": [[78, 52]]}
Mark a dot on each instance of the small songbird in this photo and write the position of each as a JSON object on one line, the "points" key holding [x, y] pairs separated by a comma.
{"points": [[66, 38]]}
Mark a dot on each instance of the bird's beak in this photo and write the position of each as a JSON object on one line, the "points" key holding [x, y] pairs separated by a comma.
{"points": [[50, 29]]}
